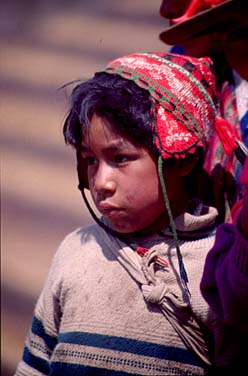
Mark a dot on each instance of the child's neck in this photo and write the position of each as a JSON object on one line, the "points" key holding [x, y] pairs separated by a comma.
{"points": [[162, 221]]}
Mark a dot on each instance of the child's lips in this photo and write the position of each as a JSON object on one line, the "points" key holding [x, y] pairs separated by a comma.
{"points": [[109, 210]]}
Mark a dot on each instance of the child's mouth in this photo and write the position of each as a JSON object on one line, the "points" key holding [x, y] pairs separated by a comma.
{"points": [[109, 211]]}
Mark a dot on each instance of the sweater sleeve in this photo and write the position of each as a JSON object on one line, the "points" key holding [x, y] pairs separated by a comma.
{"points": [[224, 283], [42, 336]]}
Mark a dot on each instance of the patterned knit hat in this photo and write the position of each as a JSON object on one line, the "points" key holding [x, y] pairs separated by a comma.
{"points": [[183, 91]]}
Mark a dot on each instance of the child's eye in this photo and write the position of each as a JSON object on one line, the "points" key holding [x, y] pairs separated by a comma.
{"points": [[90, 160], [121, 158]]}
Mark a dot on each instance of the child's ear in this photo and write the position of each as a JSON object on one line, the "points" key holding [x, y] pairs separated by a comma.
{"points": [[186, 165]]}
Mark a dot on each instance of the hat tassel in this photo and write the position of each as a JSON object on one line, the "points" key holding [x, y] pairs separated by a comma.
{"points": [[230, 139]]}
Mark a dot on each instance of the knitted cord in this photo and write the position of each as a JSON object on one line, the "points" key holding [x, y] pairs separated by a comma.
{"points": [[100, 223], [183, 273]]}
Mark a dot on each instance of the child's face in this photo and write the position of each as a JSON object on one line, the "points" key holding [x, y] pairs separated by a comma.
{"points": [[123, 179]]}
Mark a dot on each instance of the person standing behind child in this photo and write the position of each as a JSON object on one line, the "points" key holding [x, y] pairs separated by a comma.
{"points": [[219, 29], [219, 286], [123, 295]]}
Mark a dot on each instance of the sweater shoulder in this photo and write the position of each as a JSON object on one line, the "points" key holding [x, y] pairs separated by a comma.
{"points": [[78, 245], [81, 237]]}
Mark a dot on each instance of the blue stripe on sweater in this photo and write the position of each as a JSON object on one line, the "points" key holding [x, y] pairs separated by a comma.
{"points": [[75, 370], [38, 329], [130, 346], [36, 362], [59, 369]]}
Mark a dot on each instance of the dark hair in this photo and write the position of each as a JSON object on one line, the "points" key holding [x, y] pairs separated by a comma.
{"points": [[119, 101]]}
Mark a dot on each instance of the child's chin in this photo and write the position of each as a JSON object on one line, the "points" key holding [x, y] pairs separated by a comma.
{"points": [[123, 228]]}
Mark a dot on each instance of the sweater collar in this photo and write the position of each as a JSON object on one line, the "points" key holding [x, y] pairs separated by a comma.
{"points": [[198, 222]]}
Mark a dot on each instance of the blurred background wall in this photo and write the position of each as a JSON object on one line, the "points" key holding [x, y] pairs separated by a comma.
{"points": [[45, 44]]}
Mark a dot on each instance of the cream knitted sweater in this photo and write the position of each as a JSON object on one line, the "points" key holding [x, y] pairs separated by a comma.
{"points": [[100, 309]]}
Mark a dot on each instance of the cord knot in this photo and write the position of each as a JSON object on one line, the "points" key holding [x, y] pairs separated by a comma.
{"points": [[154, 294]]}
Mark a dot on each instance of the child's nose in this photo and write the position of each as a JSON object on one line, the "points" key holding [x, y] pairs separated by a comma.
{"points": [[104, 179]]}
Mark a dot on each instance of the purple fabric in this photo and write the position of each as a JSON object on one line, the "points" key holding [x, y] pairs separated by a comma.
{"points": [[224, 283], [224, 286]]}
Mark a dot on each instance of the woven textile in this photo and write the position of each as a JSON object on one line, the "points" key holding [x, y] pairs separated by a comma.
{"points": [[183, 89]]}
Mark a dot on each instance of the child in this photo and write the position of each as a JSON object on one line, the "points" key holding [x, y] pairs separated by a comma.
{"points": [[123, 295]]}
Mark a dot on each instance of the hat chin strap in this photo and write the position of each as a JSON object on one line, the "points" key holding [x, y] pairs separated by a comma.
{"points": [[93, 214], [98, 221], [182, 270]]}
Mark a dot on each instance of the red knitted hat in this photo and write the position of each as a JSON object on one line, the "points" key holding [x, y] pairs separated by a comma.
{"points": [[183, 90]]}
